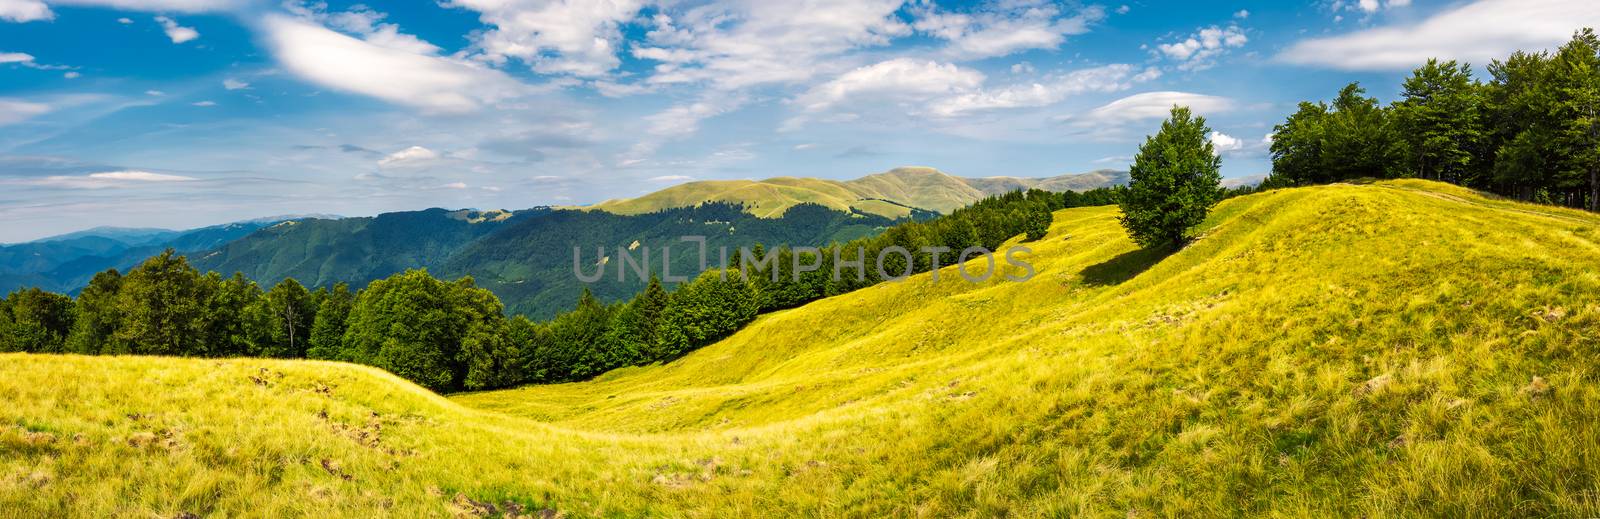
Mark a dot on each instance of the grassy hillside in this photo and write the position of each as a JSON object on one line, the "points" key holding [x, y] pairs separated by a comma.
{"points": [[890, 194], [1397, 349]]}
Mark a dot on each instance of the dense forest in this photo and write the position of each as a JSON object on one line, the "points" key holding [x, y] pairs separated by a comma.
{"points": [[454, 335], [523, 257], [1531, 132]]}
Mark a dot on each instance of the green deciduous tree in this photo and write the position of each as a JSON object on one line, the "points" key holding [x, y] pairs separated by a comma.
{"points": [[327, 330], [161, 303], [289, 307], [1439, 117], [414, 326], [1174, 181], [704, 310], [96, 316], [633, 335], [39, 321]]}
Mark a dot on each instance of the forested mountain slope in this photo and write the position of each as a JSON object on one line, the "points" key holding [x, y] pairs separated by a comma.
{"points": [[525, 258], [66, 263], [1397, 349]]}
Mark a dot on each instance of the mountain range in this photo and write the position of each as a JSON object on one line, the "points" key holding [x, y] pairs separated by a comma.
{"points": [[524, 256], [891, 194]]}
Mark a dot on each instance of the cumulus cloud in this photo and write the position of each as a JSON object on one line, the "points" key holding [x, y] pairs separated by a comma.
{"points": [[1475, 32], [234, 84], [328, 58], [731, 44], [177, 33], [1200, 50], [578, 37], [671, 178], [1223, 144], [25, 11], [1004, 28], [896, 79]]}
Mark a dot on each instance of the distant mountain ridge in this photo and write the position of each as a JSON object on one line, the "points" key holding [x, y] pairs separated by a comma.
{"points": [[891, 194], [525, 256], [66, 262]]}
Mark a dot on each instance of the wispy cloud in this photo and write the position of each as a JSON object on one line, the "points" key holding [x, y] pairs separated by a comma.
{"points": [[1475, 32]]}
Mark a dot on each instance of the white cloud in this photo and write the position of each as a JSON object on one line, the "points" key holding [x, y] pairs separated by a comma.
{"points": [[455, 185], [365, 23], [409, 156], [71, 75], [326, 57], [946, 90], [103, 180], [205, 103], [1199, 50], [1242, 14], [1109, 78], [35, 10], [1150, 106], [804, 146], [1223, 144], [1123, 9], [733, 44], [1476, 32], [578, 37], [14, 111], [234, 84], [25, 11], [139, 176], [896, 79], [154, 93], [27, 60], [671, 178], [125, 21], [181, 6], [177, 33], [1004, 28]]}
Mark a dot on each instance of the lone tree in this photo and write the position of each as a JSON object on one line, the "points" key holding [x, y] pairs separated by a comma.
{"points": [[1174, 182]]}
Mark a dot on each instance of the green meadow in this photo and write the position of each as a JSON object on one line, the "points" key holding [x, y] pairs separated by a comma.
{"points": [[1398, 348]]}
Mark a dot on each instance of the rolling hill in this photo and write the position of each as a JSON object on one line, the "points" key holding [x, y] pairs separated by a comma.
{"points": [[1397, 349], [890, 194]]}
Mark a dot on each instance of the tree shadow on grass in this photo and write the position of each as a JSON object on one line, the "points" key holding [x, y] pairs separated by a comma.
{"points": [[1125, 266]]}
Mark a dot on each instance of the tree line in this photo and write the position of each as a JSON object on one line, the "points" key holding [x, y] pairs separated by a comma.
{"points": [[454, 335], [1531, 132]]}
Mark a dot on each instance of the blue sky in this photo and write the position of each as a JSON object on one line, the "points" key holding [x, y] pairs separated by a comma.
{"points": [[183, 113]]}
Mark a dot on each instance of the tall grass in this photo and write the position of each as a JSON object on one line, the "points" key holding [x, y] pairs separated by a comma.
{"points": [[1339, 350]]}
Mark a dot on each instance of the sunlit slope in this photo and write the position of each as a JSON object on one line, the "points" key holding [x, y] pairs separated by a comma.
{"points": [[1355, 350], [890, 194]]}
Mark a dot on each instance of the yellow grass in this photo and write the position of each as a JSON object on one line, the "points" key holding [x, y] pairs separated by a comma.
{"points": [[1340, 350]]}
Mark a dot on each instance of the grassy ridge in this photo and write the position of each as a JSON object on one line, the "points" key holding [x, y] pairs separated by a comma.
{"points": [[1353, 350], [890, 194]]}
